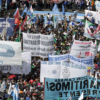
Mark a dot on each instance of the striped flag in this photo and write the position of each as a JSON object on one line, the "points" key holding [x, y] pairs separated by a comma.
{"points": [[6, 4]]}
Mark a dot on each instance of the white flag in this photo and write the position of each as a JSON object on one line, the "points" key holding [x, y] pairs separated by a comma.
{"points": [[10, 89], [95, 83], [2, 87], [81, 97]]}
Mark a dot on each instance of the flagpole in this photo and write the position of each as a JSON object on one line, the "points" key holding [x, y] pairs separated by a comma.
{"points": [[87, 98]]}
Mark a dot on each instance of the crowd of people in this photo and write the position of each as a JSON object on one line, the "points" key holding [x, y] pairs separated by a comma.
{"points": [[64, 34], [48, 4]]}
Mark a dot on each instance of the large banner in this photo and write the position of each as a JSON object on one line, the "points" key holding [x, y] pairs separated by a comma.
{"points": [[61, 70], [7, 26], [63, 88], [69, 58], [10, 53], [38, 44], [24, 69], [83, 48]]}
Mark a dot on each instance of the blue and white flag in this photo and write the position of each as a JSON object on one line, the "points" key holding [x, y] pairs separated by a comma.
{"points": [[15, 12], [55, 8], [7, 24], [72, 23], [49, 22], [16, 93], [63, 10], [0, 4], [6, 4], [25, 11], [10, 90], [81, 23]]}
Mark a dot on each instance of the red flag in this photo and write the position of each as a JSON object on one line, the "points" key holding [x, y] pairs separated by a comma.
{"points": [[17, 26], [23, 22], [79, 55], [17, 17]]}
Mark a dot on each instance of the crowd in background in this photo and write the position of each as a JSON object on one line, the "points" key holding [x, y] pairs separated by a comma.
{"points": [[48, 4], [64, 34]]}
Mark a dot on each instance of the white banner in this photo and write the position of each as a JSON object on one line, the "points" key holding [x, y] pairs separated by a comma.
{"points": [[61, 70], [38, 44], [90, 14], [24, 69], [10, 53], [83, 48]]}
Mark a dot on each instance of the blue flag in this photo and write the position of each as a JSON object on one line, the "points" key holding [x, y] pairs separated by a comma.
{"points": [[0, 5], [55, 8], [7, 24], [6, 4], [63, 10], [34, 19], [25, 11]]}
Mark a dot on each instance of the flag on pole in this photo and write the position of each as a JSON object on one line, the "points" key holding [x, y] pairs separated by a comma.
{"points": [[25, 11], [88, 25], [81, 97], [0, 4], [16, 16], [16, 93], [6, 4], [19, 32], [63, 10], [31, 11], [55, 8], [2, 86], [24, 22], [75, 15], [10, 90]]}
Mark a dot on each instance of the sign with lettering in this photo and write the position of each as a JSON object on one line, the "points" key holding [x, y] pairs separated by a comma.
{"points": [[25, 68], [83, 48], [63, 88], [7, 26], [10, 53], [38, 44], [61, 70]]}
